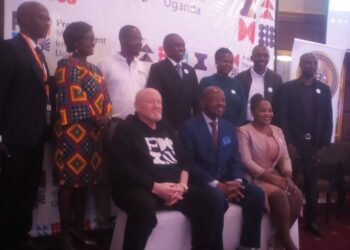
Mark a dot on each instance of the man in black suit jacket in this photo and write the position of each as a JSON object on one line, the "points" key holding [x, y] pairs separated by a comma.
{"points": [[176, 81], [259, 74], [305, 115], [25, 109]]}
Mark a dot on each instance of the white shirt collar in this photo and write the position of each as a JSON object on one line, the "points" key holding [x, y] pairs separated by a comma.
{"points": [[208, 120], [120, 57], [174, 63], [254, 74]]}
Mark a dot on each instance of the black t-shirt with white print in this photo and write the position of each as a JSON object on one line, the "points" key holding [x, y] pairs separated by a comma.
{"points": [[140, 156]]}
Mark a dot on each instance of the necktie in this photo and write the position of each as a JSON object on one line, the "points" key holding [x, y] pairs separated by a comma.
{"points": [[40, 54], [46, 84], [179, 70], [214, 133]]}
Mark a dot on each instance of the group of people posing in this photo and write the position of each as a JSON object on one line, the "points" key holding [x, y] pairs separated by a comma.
{"points": [[159, 138]]}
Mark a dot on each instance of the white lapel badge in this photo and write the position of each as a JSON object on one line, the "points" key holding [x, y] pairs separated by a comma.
{"points": [[233, 91], [186, 71], [226, 140], [318, 91], [269, 89]]}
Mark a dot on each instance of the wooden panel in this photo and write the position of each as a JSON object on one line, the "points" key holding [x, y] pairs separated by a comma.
{"points": [[310, 27]]}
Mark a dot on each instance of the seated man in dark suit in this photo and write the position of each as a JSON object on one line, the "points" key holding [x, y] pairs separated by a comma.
{"points": [[215, 163], [176, 81], [148, 173]]}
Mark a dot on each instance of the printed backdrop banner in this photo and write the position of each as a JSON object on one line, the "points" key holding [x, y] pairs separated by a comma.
{"points": [[330, 62], [205, 25]]}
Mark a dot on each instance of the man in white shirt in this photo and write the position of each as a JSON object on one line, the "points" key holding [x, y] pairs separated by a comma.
{"points": [[259, 78], [125, 74]]}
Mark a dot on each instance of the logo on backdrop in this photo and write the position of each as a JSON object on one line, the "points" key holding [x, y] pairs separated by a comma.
{"points": [[246, 31], [161, 150], [200, 65], [178, 6], [268, 9], [72, 2], [326, 71], [267, 35], [146, 50]]}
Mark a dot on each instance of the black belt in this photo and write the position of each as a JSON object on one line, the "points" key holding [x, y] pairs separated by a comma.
{"points": [[307, 136]]}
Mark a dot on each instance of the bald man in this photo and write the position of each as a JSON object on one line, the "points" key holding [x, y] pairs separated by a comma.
{"points": [[259, 78], [148, 171], [25, 113], [305, 115], [215, 163]]}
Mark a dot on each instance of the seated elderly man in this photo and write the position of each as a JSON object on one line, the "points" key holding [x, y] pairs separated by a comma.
{"points": [[215, 163], [148, 173]]}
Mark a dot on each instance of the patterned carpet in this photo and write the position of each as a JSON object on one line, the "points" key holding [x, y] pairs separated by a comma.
{"points": [[336, 233]]}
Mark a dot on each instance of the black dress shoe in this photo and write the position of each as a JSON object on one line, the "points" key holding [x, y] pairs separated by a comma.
{"points": [[82, 237], [29, 244], [314, 229], [66, 243]]}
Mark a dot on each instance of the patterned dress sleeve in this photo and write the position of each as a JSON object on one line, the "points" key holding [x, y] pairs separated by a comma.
{"points": [[107, 100], [72, 102]]}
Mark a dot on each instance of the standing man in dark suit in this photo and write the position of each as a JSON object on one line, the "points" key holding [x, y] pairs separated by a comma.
{"points": [[305, 115], [259, 78], [25, 111], [215, 163], [176, 81]]}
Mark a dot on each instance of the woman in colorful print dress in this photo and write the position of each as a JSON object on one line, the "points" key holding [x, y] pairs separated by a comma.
{"points": [[83, 111]]}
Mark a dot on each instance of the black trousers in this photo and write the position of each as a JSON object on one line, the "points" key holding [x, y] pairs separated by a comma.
{"points": [[253, 207], [310, 174], [19, 182], [202, 208]]}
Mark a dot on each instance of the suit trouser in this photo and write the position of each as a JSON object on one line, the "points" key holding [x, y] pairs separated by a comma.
{"points": [[253, 207], [19, 181], [202, 208], [310, 173]]}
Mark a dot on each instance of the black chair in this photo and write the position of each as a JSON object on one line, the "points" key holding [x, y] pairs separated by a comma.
{"points": [[326, 183], [341, 152]]}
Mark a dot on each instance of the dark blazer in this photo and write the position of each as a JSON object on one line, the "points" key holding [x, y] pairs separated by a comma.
{"points": [[207, 164], [290, 116], [22, 95], [179, 95], [271, 80]]}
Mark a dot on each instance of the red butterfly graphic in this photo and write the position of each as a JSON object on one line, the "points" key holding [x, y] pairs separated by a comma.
{"points": [[245, 31]]}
